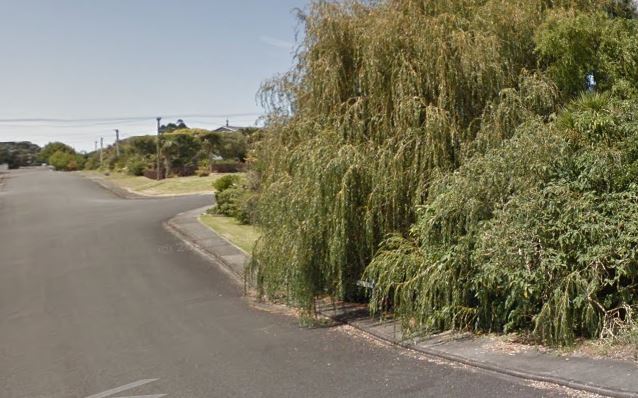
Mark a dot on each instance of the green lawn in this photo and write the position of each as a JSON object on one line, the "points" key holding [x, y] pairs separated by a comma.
{"points": [[241, 235], [168, 186]]}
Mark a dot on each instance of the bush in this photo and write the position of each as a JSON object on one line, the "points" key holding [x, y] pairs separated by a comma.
{"points": [[574, 44], [482, 231], [136, 166], [80, 161], [51, 148], [537, 235], [63, 161], [92, 162], [233, 145], [223, 183], [236, 202]]}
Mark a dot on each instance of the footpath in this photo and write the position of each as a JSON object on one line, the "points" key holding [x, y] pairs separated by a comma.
{"points": [[608, 377]]}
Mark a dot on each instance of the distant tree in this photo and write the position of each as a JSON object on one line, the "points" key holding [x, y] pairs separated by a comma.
{"points": [[5, 155], [144, 145], [179, 150], [63, 161], [211, 143], [170, 127], [18, 154], [169, 152], [92, 161], [51, 148], [233, 146]]}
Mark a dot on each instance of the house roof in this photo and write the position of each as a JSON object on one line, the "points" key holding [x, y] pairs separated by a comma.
{"points": [[228, 128]]}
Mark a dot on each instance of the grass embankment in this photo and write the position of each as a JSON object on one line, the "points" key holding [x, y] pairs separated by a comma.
{"points": [[244, 236], [168, 186]]}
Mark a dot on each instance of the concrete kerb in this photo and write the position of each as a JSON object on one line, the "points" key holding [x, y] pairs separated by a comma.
{"points": [[182, 226], [573, 384]]}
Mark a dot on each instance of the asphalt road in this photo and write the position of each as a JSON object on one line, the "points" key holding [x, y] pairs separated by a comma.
{"points": [[98, 300]]}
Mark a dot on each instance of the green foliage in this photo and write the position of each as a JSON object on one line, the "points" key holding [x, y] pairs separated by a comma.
{"points": [[238, 202], [51, 148], [433, 149], [573, 44], [92, 162], [537, 234], [18, 154], [183, 150], [179, 150], [228, 181], [172, 127], [136, 165], [64, 161], [233, 199], [80, 161], [145, 145], [384, 97], [233, 145]]}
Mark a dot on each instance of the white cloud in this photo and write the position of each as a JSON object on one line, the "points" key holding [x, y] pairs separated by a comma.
{"points": [[271, 41]]}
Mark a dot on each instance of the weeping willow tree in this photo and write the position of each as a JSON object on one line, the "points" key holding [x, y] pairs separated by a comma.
{"points": [[384, 96]]}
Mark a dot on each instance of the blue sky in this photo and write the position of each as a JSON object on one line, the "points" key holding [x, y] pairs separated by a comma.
{"points": [[107, 59]]}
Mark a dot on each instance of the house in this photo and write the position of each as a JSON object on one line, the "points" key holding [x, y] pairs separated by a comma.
{"points": [[228, 128]]}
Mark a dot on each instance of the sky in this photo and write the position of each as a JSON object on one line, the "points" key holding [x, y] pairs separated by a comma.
{"points": [[75, 70]]}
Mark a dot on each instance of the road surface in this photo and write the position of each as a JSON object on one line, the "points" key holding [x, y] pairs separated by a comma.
{"points": [[98, 300]]}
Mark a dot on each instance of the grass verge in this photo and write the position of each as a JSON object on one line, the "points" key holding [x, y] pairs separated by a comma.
{"points": [[168, 186], [244, 236]]}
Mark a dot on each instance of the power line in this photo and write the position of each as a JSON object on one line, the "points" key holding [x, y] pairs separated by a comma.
{"points": [[122, 118]]}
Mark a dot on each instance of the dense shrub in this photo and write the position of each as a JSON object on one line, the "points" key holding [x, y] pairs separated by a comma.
{"points": [[18, 154], [145, 145], [237, 202], [225, 182], [51, 148], [233, 146], [234, 199], [539, 234], [573, 44], [384, 96], [136, 166], [63, 161], [92, 162], [416, 144], [228, 201]]}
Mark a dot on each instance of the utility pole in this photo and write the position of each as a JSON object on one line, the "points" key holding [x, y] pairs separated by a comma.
{"points": [[117, 143], [95, 146], [101, 152], [157, 174]]}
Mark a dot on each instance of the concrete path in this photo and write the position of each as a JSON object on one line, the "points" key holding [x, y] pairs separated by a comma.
{"points": [[99, 300], [602, 376]]}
